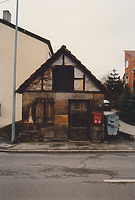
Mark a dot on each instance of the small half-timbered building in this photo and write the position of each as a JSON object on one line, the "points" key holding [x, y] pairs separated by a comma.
{"points": [[62, 100]]}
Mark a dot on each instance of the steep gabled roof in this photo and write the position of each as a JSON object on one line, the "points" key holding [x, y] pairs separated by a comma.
{"points": [[130, 52], [28, 33], [65, 51]]}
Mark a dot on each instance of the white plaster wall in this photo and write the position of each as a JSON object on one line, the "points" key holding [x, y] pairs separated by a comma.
{"points": [[78, 85], [67, 61], [31, 54], [78, 73], [59, 61], [90, 86]]}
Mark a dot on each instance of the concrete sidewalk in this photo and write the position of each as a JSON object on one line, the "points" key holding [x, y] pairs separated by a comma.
{"points": [[127, 129], [121, 144], [115, 145]]}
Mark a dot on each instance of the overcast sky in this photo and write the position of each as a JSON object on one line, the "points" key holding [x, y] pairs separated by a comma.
{"points": [[96, 31]]}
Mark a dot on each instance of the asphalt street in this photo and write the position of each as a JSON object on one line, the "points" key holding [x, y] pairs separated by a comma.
{"points": [[67, 176]]}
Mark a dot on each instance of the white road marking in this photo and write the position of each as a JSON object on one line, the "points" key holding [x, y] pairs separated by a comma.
{"points": [[120, 181]]}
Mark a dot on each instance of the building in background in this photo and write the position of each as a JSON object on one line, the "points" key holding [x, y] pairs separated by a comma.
{"points": [[129, 75], [62, 100], [32, 51]]}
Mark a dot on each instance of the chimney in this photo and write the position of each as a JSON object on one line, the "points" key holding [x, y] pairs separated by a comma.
{"points": [[7, 15]]}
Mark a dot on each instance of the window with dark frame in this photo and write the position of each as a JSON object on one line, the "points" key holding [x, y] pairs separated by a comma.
{"points": [[63, 78], [127, 63]]}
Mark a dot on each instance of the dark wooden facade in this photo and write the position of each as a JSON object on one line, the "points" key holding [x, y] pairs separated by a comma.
{"points": [[62, 101]]}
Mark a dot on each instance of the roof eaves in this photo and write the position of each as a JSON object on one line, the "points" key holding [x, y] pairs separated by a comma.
{"points": [[24, 85], [50, 60], [29, 34], [130, 52], [88, 72]]}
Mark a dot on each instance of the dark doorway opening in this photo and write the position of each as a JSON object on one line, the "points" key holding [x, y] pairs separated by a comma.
{"points": [[63, 78]]}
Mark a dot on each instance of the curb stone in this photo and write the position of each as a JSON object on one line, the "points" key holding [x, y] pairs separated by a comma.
{"points": [[66, 151]]}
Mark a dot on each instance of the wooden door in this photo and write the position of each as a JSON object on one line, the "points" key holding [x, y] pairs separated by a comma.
{"points": [[40, 110], [78, 119]]}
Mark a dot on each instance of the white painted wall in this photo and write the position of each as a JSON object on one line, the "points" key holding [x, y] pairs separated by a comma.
{"points": [[30, 55]]}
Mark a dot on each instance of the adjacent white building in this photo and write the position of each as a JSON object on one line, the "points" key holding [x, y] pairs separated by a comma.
{"points": [[32, 51]]}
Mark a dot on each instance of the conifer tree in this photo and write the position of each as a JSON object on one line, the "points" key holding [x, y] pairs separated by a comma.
{"points": [[125, 102], [133, 107], [115, 85], [127, 106]]}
